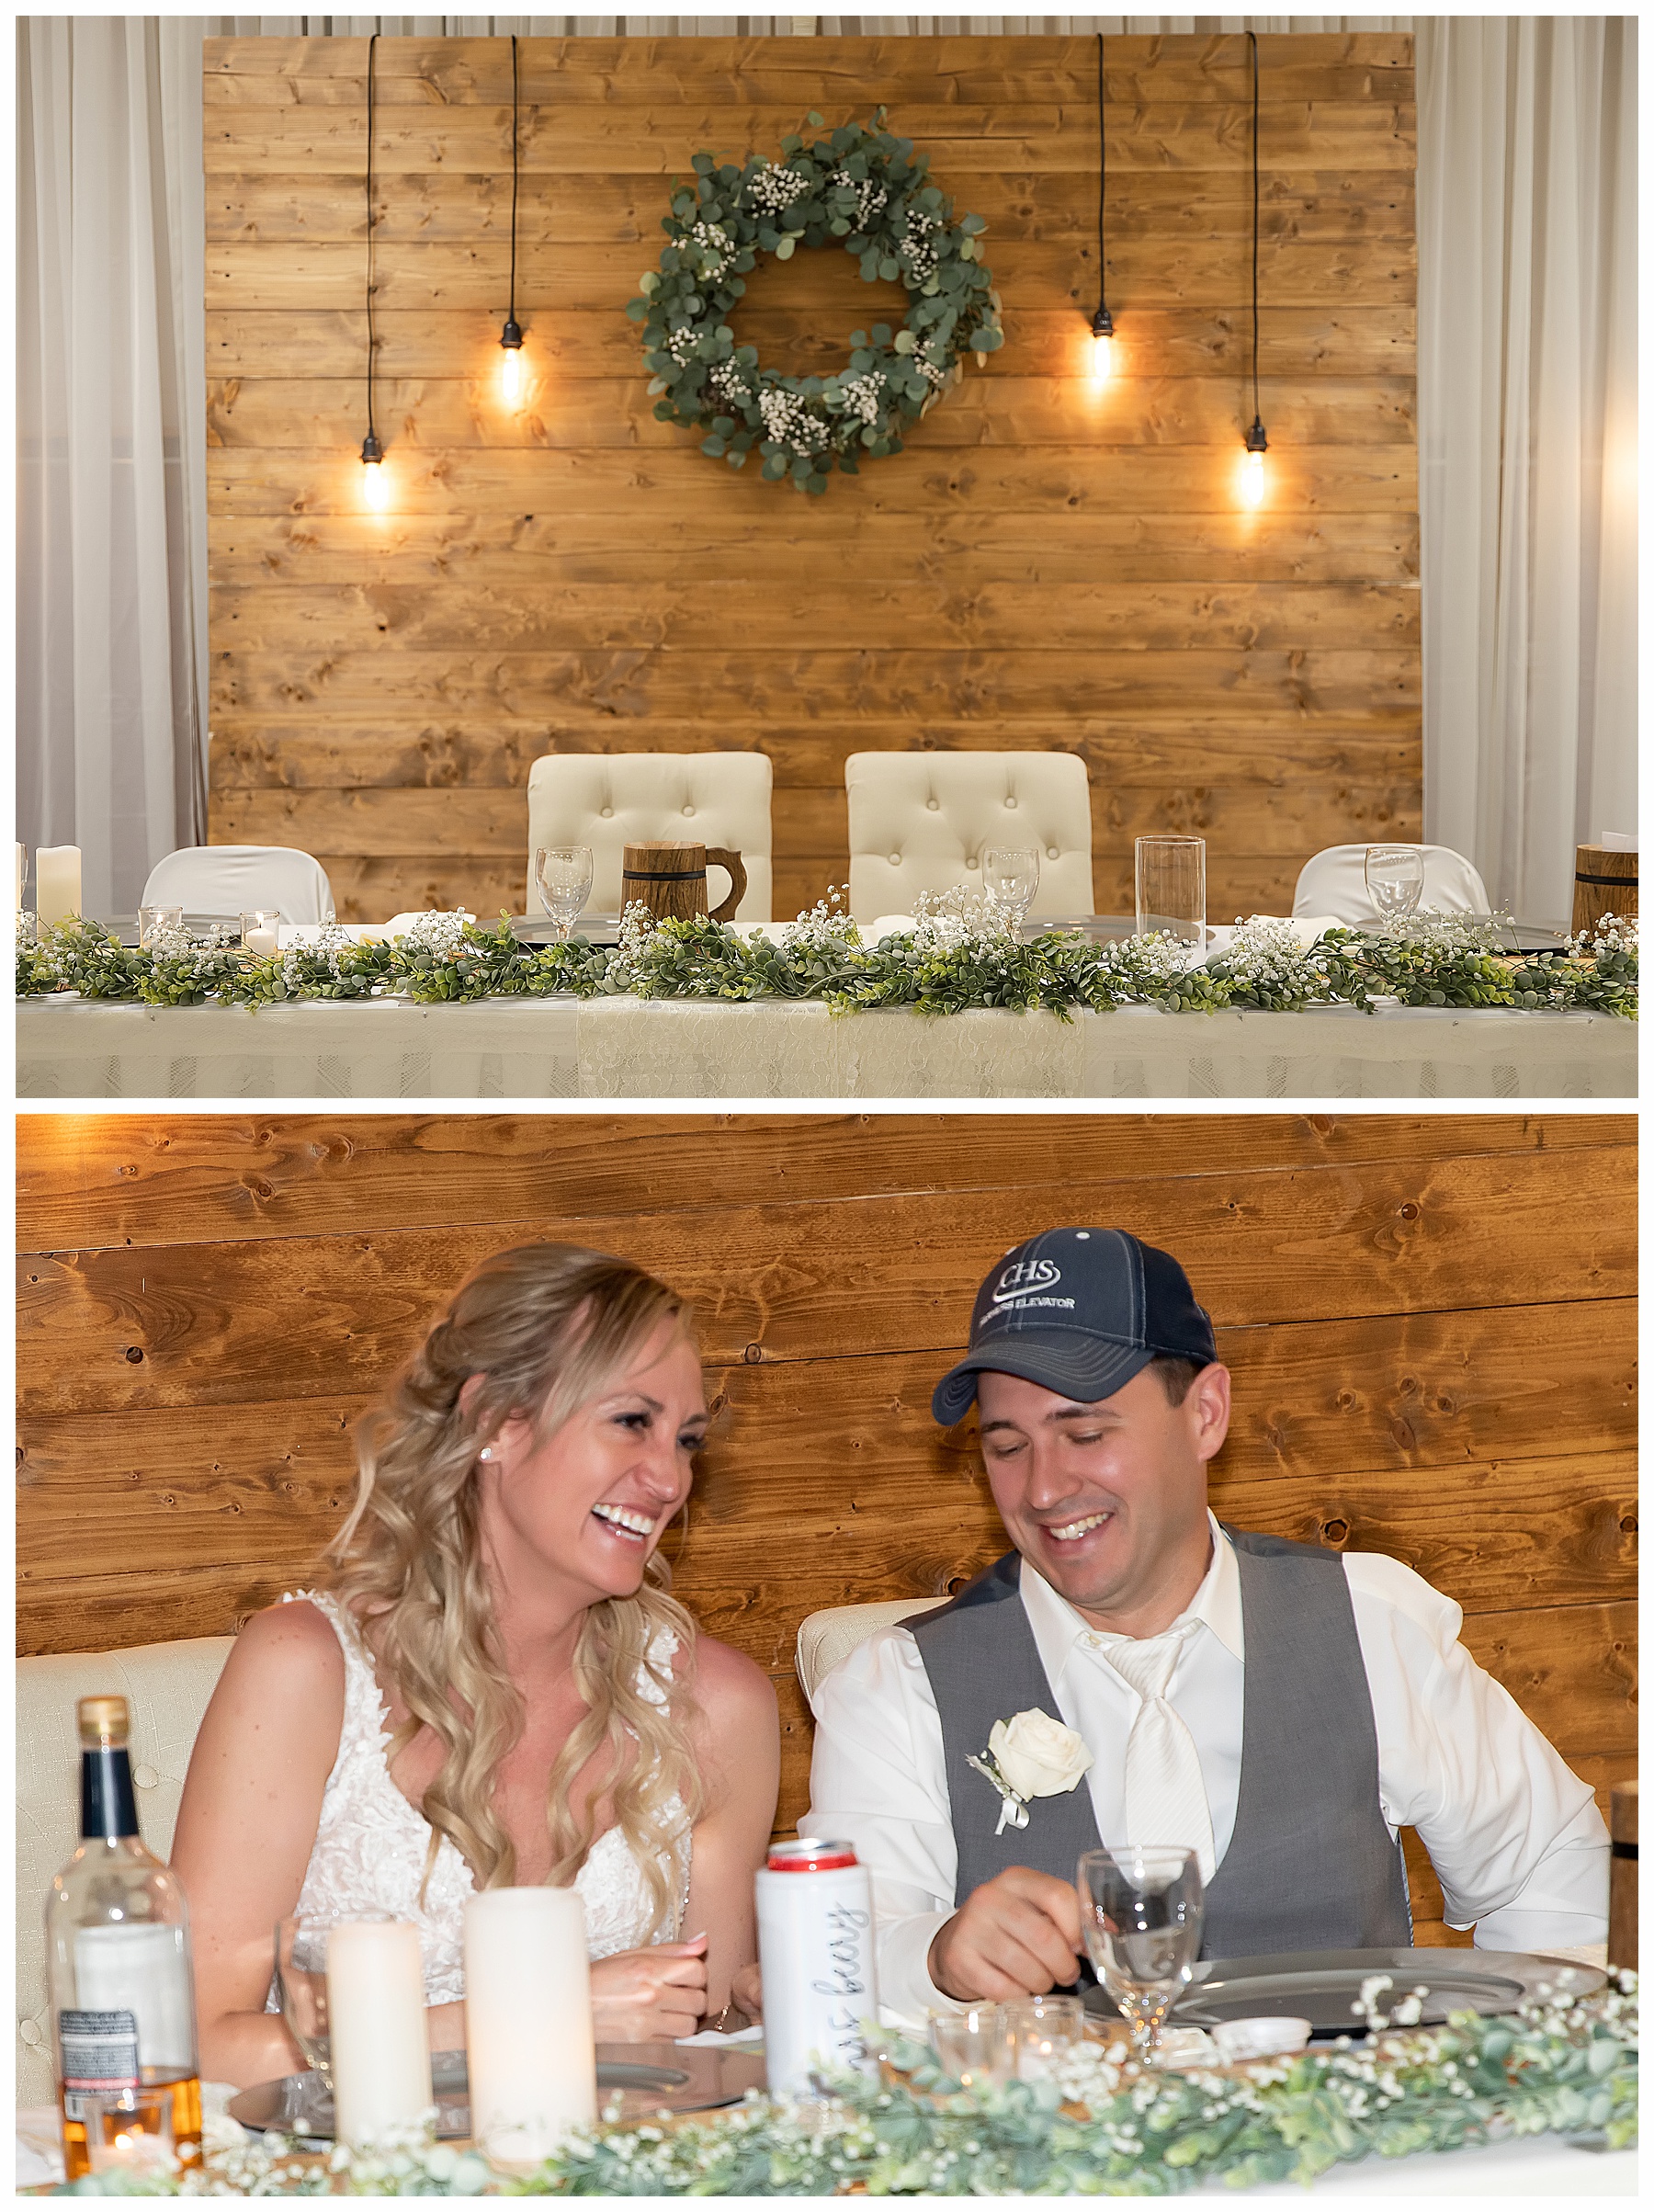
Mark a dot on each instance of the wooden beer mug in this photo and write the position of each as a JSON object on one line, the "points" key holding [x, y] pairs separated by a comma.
{"points": [[671, 880]]}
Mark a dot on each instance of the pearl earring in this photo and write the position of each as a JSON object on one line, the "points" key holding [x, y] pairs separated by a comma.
{"points": [[486, 1453]]}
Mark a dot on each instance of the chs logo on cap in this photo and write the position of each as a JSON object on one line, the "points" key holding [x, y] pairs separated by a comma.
{"points": [[1025, 1276]]}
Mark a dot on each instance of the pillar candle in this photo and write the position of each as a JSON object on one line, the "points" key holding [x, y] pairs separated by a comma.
{"points": [[19, 879], [266, 943], [530, 2053], [376, 2017], [57, 882]]}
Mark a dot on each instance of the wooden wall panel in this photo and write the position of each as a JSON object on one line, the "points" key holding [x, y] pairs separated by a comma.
{"points": [[1431, 1321], [1045, 565]]}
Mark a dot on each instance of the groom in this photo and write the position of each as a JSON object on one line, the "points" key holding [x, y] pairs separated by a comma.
{"points": [[1279, 1709]]}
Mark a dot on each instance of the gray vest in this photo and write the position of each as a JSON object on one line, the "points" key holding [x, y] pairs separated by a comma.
{"points": [[1310, 1865]]}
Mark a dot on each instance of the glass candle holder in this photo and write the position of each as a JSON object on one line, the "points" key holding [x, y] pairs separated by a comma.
{"points": [[1041, 2032], [972, 2045], [261, 933], [129, 2131], [152, 920], [1171, 888]]}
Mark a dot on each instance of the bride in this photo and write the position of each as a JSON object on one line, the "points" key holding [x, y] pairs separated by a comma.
{"points": [[494, 1686]]}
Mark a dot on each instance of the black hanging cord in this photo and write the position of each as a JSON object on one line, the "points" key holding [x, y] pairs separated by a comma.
{"points": [[512, 335], [1101, 322], [1256, 439], [371, 449]]}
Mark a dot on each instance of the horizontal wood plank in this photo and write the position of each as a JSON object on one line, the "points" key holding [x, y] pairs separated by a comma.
{"points": [[1317, 207], [1197, 340], [681, 484], [453, 614], [96, 1180]]}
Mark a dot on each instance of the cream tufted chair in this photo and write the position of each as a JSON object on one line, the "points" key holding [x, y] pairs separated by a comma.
{"points": [[167, 1688], [824, 1639], [920, 821], [1334, 882], [611, 799]]}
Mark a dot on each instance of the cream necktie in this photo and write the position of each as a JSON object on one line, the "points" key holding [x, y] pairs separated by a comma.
{"points": [[1165, 1792]]}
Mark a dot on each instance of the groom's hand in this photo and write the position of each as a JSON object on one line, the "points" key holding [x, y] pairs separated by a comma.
{"points": [[1018, 1935]]}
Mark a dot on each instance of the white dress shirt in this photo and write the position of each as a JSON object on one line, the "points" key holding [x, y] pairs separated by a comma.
{"points": [[1516, 1839]]}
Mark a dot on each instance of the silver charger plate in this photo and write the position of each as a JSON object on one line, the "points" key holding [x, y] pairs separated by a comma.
{"points": [[1323, 1987], [647, 2077]]}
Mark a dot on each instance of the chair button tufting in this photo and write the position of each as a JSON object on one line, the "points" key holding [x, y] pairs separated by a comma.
{"points": [[971, 861], [1051, 853], [607, 813], [1011, 802], [30, 2031], [145, 1777], [688, 810], [932, 804], [895, 859]]}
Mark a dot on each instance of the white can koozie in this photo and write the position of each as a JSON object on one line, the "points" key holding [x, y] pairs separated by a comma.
{"points": [[815, 1947]]}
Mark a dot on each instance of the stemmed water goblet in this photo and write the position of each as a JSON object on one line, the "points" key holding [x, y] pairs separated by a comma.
{"points": [[562, 875], [1010, 879], [1141, 1907], [1395, 879]]}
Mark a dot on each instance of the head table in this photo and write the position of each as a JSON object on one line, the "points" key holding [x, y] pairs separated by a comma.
{"points": [[628, 1047]]}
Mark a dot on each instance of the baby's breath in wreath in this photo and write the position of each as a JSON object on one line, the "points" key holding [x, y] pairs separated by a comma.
{"points": [[867, 188]]}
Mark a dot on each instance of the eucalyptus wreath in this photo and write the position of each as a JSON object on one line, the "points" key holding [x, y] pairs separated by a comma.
{"points": [[867, 189]]}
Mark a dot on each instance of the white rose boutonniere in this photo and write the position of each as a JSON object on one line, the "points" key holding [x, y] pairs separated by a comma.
{"points": [[1030, 1756]]}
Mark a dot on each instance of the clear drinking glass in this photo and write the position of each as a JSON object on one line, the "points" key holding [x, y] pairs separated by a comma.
{"points": [[971, 2046], [1141, 1912], [301, 1981], [153, 918], [562, 875], [1010, 879], [1040, 2031], [130, 2131], [261, 932], [1171, 888], [1395, 879]]}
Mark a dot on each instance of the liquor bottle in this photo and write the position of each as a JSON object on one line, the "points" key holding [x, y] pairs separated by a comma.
{"points": [[815, 1950], [118, 1961]]}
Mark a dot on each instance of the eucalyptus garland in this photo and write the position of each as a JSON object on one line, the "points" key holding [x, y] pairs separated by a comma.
{"points": [[1560, 2065], [954, 960], [860, 186]]}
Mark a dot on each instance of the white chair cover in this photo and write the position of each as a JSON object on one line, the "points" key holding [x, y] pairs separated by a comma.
{"points": [[167, 1688], [609, 800], [241, 878], [920, 821], [1334, 882], [826, 1637]]}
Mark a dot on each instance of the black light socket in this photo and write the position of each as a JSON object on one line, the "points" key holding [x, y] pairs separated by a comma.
{"points": [[1102, 324], [371, 449], [1257, 437], [512, 335]]}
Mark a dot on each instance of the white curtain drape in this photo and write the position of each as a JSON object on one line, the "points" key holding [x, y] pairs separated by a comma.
{"points": [[1527, 417], [111, 415]]}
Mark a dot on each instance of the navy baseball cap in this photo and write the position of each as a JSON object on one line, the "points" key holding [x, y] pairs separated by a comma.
{"points": [[1080, 1311]]}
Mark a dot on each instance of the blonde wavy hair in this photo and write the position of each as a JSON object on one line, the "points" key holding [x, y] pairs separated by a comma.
{"points": [[543, 1328]]}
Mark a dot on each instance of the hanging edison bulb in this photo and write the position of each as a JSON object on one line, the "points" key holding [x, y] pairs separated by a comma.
{"points": [[1252, 485], [375, 481], [511, 363], [1102, 346]]}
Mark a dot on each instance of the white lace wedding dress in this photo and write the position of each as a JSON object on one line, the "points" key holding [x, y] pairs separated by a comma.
{"points": [[370, 1846]]}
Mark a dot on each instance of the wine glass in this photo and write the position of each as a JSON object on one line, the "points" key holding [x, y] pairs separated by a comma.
{"points": [[562, 875], [1141, 1912], [1010, 879], [301, 1981], [1395, 879]]}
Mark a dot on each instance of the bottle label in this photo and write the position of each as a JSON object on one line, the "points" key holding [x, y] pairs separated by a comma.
{"points": [[100, 2053]]}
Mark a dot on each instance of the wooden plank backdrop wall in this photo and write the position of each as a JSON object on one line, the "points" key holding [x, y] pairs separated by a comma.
{"points": [[1431, 1322], [1046, 565]]}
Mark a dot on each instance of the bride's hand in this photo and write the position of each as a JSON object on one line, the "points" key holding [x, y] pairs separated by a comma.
{"points": [[649, 1996], [746, 1990]]}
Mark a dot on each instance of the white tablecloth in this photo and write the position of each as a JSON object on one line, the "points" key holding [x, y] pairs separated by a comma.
{"points": [[625, 1047]]}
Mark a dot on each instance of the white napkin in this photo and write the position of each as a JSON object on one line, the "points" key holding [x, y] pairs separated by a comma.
{"points": [[713, 2035]]}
